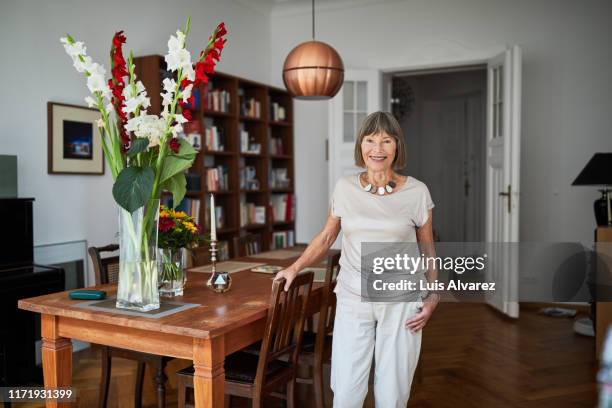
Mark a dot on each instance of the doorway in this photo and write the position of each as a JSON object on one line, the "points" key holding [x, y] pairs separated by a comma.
{"points": [[443, 116]]}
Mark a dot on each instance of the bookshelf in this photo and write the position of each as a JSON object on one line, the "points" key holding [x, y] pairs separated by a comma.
{"points": [[246, 156]]}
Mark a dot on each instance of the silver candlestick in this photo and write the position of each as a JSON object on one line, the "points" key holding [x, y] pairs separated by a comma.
{"points": [[219, 281]]}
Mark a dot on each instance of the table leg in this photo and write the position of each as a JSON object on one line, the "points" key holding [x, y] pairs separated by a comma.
{"points": [[56, 358], [209, 375]]}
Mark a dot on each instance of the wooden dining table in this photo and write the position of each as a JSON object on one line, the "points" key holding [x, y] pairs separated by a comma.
{"points": [[221, 324]]}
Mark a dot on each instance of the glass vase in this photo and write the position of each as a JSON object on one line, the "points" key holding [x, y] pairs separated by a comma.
{"points": [[137, 287], [171, 265]]}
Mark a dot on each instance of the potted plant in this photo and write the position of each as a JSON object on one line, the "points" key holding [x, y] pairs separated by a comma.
{"points": [[143, 151]]}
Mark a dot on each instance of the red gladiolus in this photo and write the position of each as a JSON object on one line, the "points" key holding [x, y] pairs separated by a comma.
{"points": [[219, 43], [174, 145], [166, 224], [221, 31], [212, 53], [208, 65], [200, 74], [187, 114], [118, 39], [117, 84], [185, 83], [190, 100]]}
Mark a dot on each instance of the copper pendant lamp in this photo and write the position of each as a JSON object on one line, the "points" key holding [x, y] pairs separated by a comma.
{"points": [[313, 70]]}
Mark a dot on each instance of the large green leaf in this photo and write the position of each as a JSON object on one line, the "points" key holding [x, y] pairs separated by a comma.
{"points": [[177, 185], [133, 187], [186, 150], [176, 163], [138, 146]]}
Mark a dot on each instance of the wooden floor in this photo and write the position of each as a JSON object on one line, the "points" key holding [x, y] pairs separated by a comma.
{"points": [[471, 356]]}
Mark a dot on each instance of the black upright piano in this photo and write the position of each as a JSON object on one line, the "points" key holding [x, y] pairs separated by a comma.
{"points": [[20, 278]]}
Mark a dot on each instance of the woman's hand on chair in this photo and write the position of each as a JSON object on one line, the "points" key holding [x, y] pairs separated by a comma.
{"points": [[419, 320], [287, 273]]}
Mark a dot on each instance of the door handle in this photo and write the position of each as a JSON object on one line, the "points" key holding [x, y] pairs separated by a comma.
{"points": [[509, 195]]}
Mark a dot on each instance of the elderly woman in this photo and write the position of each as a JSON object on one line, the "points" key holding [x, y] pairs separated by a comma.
{"points": [[377, 205]]}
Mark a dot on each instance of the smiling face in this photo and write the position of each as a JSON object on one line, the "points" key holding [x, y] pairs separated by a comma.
{"points": [[378, 151], [379, 144]]}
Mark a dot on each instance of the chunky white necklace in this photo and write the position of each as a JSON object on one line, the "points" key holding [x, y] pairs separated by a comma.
{"points": [[382, 190]]}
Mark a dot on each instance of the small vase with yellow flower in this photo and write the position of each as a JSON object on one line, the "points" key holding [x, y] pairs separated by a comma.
{"points": [[177, 233]]}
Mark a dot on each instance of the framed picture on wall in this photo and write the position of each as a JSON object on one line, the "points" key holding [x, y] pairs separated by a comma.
{"points": [[74, 140]]}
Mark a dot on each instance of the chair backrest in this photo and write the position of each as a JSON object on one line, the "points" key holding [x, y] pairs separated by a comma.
{"points": [[246, 245], [106, 269], [198, 256], [327, 313], [285, 323]]}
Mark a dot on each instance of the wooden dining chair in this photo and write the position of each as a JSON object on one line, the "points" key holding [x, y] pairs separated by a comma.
{"points": [[257, 376], [246, 245], [107, 271], [317, 346], [198, 256]]}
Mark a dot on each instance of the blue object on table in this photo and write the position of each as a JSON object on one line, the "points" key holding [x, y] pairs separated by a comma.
{"points": [[87, 294]]}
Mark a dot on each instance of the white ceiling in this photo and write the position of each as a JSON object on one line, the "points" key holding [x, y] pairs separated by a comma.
{"points": [[285, 7]]}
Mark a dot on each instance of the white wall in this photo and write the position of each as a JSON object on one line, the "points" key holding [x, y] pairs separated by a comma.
{"points": [[310, 131], [36, 70], [566, 87]]}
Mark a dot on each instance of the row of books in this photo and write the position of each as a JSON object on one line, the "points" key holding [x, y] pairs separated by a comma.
{"points": [[276, 146], [215, 141], [248, 144], [218, 100], [277, 112], [251, 213], [283, 207], [217, 178], [283, 239], [219, 217], [278, 178], [214, 138], [248, 178], [250, 107], [244, 140], [191, 206]]}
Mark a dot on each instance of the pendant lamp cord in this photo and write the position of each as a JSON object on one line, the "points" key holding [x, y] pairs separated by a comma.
{"points": [[313, 21]]}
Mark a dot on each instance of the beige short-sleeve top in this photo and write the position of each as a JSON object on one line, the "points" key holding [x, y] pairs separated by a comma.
{"points": [[367, 217]]}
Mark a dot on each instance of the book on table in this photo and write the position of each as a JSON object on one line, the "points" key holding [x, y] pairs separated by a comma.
{"points": [[271, 269]]}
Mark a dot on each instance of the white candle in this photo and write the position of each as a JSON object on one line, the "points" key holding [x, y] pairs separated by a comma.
{"points": [[213, 223]]}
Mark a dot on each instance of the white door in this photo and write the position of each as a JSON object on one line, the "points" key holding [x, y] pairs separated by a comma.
{"points": [[503, 165], [359, 96]]}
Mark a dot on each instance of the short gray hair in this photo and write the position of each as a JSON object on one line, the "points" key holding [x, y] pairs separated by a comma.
{"points": [[382, 122]]}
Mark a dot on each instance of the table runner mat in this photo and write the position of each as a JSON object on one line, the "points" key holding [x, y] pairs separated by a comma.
{"points": [[166, 308], [227, 266], [278, 254]]}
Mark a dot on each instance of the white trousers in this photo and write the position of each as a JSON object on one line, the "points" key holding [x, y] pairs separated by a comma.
{"points": [[362, 329]]}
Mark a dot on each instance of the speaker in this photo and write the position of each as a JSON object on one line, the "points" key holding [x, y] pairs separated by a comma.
{"points": [[8, 176]]}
